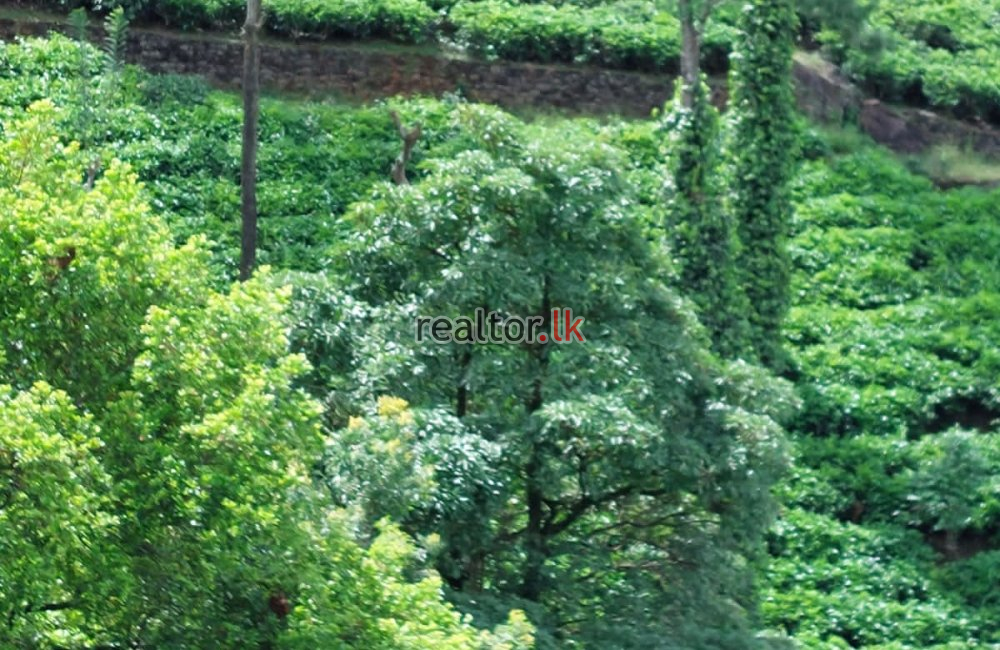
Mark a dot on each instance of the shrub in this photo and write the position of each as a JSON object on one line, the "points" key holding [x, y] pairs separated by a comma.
{"points": [[631, 34], [944, 53], [408, 21], [838, 585], [523, 33]]}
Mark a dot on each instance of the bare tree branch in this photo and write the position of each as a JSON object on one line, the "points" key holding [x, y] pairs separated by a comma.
{"points": [[409, 138]]}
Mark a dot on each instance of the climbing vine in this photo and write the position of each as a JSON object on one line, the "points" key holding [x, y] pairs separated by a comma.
{"points": [[703, 232], [762, 154]]}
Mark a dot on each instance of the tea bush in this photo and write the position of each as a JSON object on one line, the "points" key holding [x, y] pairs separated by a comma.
{"points": [[631, 35], [897, 294], [408, 21], [943, 53], [835, 585], [893, 336]]}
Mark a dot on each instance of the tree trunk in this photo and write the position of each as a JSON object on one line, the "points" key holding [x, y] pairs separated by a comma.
{"points": [[462, 396], [251, 117], [690, 53], [536, 544]]}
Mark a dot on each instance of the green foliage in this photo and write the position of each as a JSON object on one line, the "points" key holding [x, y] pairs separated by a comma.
{"points": [[376, 605], [974, 579], [861, 268], [628, 34], [893, 341], [409, 21], [848, 24], [762, 156], [60, 292], [183, 142], [954, 486], [944, 53], [56, 520], [703, 233], [194, 393], [896, 313], [116, 35], [425, 469], [202, 14], [174, 90], [596, 484], [155, 451], [80, 23], [863, 478], [836, 585], [941, 53]]}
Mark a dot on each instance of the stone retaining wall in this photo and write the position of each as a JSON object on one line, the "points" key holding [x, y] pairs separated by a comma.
{"points": [[368, 72]]}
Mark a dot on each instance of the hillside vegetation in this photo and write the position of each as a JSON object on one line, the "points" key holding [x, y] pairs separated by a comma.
{"points": [[190, 462], [941, 53]]}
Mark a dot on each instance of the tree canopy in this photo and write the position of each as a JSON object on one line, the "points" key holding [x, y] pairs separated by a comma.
{"points": [[156, 451]]}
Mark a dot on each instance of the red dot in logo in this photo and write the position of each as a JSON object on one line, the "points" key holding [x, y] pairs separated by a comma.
{"points": [[542, 338]]}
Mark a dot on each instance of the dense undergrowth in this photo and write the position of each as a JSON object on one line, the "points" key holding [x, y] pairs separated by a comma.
{"points": [[894, 337], [893, 502], [891, 509], [941, 53]]}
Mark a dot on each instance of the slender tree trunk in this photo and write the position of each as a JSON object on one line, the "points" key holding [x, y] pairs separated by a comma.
{"points": [[462, 556], [690, 53], [536, 543], [409, 138], [462, 392], [251, 117], [472, 561]]}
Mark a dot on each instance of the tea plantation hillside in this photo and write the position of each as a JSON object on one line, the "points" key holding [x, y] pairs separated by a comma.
{"points": [[941, 53], [188, 461]]}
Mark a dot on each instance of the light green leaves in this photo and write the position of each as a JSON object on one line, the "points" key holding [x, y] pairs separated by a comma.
{"points": [[57, 523], [81, 266], [164, 496]]}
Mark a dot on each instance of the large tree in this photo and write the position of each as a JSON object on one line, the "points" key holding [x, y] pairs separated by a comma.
{"points": [[605, 480]]}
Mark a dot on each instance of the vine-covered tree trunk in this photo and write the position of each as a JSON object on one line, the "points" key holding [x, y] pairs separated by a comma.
{"points": [[251, 117], [703, 232], [763, 155]]}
